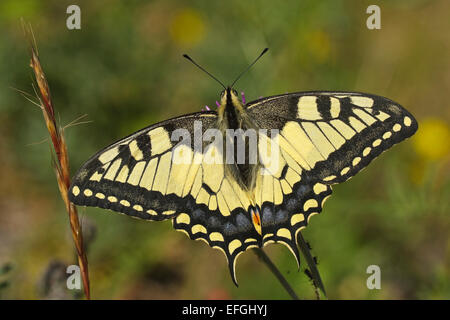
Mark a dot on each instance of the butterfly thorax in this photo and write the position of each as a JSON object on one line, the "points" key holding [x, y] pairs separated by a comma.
{"points": [[238, 130]]}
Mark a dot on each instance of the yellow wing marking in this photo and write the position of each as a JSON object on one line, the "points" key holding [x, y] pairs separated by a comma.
{"points": [[270, 155], [123, 174], [267, 189], [364, 102], [109, 155], [162, 173], [149, 174], [216, 236], [213, 173], [382, 116], [343, 129], [356, 124], [135, 152], [234, 245], [160, 140], [318, 139], [183, 218], [302, 144], [296, 218], [307, 108], [332, 135], [112, 171], [368, 119], [335, 107], [181, 163], [136, 174], [285, 233]]}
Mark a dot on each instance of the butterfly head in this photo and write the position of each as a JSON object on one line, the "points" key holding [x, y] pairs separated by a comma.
{"points": [[229, 96], [230, 104]]}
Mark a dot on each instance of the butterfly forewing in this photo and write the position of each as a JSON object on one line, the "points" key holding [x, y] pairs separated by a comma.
{"points": [[136, 175], [333, 135]]}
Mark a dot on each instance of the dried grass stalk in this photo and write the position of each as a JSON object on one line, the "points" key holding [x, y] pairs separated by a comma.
{"points": [[61, 162]]}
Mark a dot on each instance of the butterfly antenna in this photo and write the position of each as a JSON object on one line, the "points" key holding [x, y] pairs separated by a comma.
{"points": [[243, 72], [197, 65]]}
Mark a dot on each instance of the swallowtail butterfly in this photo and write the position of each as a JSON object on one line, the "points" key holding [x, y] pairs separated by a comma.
{"points": [[322, 137]]}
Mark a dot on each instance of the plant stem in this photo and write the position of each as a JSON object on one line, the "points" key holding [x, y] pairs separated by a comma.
{"points": [[265, 258], [317, 281]]}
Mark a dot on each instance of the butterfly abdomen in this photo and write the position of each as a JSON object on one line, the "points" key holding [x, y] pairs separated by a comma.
{"points": [[240, 136]]}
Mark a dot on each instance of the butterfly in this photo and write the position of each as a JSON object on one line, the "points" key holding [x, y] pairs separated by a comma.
{"points": [[216, 194]]}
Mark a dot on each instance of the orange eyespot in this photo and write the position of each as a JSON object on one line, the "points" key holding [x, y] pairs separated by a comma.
{"points": [[256, 219]]}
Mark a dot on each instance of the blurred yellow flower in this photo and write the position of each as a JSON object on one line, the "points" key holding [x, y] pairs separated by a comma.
{"points": [[432, 140], [187, 28], [319, 44]]}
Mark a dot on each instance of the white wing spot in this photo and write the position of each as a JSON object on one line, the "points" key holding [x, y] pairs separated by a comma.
{"points": [[366, 151], [88, 192], [100, 195], [376, 143], [125, 203], [407, 121], [75, 191], [112, 199], [387, 135], [356, 161]]}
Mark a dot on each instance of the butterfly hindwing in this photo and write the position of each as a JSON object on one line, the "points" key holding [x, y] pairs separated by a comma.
{"points": [[287, 199], [226, 227]]}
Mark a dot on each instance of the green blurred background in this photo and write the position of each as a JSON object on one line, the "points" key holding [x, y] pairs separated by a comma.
{"points": [[124, 69]]}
